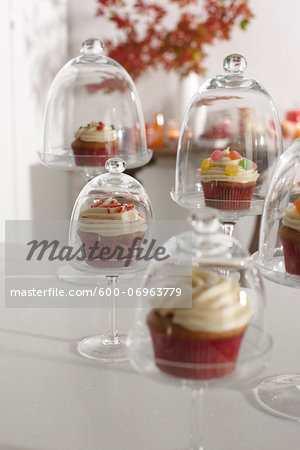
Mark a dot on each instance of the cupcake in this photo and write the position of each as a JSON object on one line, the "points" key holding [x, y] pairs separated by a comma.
{"points": [[208, 335], [228, 180], [289, 234], [94, 144], [108, 229]]}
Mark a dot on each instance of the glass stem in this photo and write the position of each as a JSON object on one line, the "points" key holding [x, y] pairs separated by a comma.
{"points": [[228, 228], [197, 416], [112, 334]]}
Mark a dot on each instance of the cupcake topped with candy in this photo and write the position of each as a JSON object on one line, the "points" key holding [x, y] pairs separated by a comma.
{"points": [[228, 164], [228, 180]]}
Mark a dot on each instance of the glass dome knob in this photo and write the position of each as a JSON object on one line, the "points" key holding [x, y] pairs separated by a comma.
{"points": [[92, 47], [234, 63], [207, 239], [204, 221], [115, 165]]}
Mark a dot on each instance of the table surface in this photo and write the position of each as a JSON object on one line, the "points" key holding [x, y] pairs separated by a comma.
{"points": [[53, 399]]}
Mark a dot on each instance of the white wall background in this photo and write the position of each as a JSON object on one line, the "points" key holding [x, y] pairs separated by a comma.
{"points": [[270, 44], [34, 43], [38, 36]]}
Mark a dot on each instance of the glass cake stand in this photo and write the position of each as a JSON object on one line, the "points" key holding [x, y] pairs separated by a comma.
{"points": [[279, 261], [167, 355], [112, 218], [92, 98], [229, 142], [93, 113]]}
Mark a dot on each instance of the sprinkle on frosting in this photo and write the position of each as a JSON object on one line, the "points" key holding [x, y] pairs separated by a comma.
{"points": [[112, 206], [99, 216], [97, 132]]}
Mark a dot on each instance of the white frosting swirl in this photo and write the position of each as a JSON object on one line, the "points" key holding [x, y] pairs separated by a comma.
{"points": [[217, 172], [291, 218], [110, 218], [218, 304], [90, 133]]}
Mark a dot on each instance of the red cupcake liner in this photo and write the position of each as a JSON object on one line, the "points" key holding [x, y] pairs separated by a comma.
{"points": [[291, 252], [109, 242], [219, 355], [227, 198], [95, 157]]}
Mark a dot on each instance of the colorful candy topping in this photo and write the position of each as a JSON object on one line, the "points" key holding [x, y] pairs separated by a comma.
{"points": [[231, 170], [205, 164], [233, 154], [297, 204], [217, 154], [246, 164]]}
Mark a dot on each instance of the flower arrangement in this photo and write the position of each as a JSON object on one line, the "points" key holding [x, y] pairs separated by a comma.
{"points": [[172, 34]]}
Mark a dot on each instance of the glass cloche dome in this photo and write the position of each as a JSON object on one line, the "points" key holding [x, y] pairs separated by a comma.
{"points": [[93, 113], [111, 219], [111, 224], [229, 141], [278, 256], [204, 316]]}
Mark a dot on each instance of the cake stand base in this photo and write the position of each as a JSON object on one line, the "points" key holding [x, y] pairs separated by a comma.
{"points": [[274, 269], [280, 395], [69, 274], [104, 348]]}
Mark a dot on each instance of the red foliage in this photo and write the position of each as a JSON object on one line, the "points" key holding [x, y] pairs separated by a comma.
{"points": [[180, 48]]}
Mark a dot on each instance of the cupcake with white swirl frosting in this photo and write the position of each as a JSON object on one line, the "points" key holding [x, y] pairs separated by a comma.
{"points": [[108, 229], [94, 144], [289, 234], [206, 336]]}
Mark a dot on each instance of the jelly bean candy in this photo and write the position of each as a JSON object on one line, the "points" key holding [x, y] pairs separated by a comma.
{"points": [[254, 165], [234, 155], [231, 170], [297, 204], [246, 164], [217, 154], [205, 164]]}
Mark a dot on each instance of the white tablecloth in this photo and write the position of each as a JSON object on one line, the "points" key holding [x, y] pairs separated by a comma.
{"points": [[53, 399]]}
